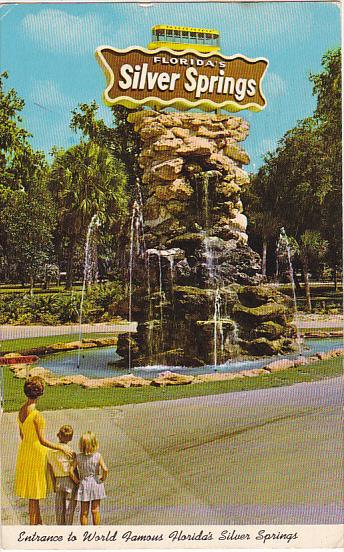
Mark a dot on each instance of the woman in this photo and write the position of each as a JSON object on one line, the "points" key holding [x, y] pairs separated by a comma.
{"points": [[31, 469]]}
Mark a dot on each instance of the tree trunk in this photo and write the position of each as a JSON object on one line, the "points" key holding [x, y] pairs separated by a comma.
{"points": [[265, 247], [32, 285], [335, 277], [70, 263], [46, 281], [297, 282], [307, 285]]}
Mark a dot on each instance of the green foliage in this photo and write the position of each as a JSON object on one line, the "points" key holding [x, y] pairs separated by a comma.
{"points": [[328, 89], [121, 140], [299, 185], [38, 309], [18, 161], [86, 180], [28, 220], [312, 244], [59, 308], [105, 295], [27, 214], [100, 298]]}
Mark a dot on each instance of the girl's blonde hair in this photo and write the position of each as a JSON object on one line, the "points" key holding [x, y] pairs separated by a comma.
{"points": [[88, 443]]}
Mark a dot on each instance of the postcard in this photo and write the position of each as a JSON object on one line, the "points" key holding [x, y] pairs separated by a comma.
{"points": [[171, 323]]}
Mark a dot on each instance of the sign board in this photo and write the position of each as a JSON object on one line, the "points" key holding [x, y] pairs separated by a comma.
{"points": [[20, 359], [183, 80]]}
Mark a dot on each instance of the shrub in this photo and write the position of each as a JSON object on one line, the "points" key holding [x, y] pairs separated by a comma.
{"points": [[100, 299], [59, 308]]}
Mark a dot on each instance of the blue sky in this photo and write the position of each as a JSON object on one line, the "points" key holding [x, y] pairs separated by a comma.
{"points": [[48, 51]]}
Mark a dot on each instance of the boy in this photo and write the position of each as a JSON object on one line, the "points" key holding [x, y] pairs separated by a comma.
{"points": [[60, 464]]}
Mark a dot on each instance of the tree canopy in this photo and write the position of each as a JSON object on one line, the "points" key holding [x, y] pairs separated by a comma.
{"points": [[299, 184], [85, 180]]}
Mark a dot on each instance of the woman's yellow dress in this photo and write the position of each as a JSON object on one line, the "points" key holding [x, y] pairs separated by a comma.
{"points": [[31, 468]]}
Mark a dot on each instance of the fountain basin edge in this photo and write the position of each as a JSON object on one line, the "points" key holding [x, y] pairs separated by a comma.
{"points": [[166, 378]]}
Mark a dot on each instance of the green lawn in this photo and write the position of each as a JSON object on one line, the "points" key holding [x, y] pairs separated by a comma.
{"points": [[74, 396], [24, 345], [321, 293]]}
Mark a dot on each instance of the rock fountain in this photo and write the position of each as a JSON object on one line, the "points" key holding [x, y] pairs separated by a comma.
{"points": [[206, 301]]}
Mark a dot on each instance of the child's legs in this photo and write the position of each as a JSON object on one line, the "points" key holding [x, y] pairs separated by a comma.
{"points": [[34, 512], [60, 510], [70, 504], [95, 507], [84, 509]]}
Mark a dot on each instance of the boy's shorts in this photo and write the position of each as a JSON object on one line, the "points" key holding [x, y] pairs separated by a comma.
{"points": [[66, 485]]}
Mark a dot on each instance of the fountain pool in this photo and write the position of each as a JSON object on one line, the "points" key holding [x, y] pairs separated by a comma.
{"points": [[94, 363]]}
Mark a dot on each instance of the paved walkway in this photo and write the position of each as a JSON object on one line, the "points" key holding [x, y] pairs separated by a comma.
{"points": [[321, 321], [258, 457], [19, 332]]}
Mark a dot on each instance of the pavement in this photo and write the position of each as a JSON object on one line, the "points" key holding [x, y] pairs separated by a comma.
{"points": [[321, 321], [255, 457], [21, 332]]}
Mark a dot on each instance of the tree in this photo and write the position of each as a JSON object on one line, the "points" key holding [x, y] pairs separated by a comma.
{"points": [[327, 87], [261, 201], [121, 140], [291, 188], [29, 219], [18, 161], [311, 247], [27, 216], [85, 180]]}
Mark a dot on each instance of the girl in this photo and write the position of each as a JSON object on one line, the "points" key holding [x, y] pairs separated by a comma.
{"points": [[92, 473], [31, 468]]}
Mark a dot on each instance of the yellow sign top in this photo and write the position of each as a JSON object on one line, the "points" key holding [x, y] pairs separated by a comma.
{"points": [[187, 29]]}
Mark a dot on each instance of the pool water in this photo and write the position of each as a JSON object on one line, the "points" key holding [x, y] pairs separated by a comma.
{"points": [[94, 363]]}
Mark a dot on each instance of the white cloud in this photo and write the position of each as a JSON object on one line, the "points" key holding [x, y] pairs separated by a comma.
{"points": [[57, 31], [47, 94]]}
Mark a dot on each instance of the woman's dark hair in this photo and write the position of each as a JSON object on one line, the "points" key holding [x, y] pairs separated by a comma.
{"points": [[34, 387]]}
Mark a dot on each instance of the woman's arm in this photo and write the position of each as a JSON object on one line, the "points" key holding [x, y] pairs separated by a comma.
{"points": [[105, 471], [52, 475], [55, 446], [73, 471]]}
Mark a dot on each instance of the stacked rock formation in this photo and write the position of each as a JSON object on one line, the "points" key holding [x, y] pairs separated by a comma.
{"points": [[199, 262]]}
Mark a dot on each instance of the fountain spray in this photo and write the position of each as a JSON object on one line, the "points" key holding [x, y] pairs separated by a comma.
{"points": [[94, 224], [283, 240], [133, 230]]}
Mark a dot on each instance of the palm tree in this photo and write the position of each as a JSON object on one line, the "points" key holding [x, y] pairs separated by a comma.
{"points": [[311, 246], [85, 180], [261, 199]]}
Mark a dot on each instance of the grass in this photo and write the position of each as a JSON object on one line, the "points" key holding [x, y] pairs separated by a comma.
{"points": [[319, 292], [74, 396], [25, 344]]}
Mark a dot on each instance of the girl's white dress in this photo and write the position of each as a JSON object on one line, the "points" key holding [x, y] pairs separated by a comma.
{"points": [[90, 488]]}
